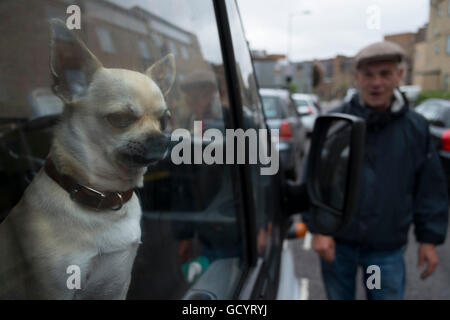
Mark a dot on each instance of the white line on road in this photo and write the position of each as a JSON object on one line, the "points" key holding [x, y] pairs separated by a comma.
{"points": [[304, 289], [307, 241]]}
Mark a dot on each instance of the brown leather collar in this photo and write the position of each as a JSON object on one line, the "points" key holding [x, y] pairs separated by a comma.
{"points": [[85, 195]]}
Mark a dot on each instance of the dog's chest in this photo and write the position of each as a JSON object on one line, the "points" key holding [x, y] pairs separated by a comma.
{"points": [[107, 268]]}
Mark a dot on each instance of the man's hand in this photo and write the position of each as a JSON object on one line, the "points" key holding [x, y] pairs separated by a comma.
{"points": [[428, 255], [325, 247]]}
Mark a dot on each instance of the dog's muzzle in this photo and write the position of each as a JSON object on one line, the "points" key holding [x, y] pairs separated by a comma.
{"points": [[152, 150]]}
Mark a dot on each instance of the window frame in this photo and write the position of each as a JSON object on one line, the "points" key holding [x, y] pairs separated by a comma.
{"points": [[237, 120], [253, 282]]}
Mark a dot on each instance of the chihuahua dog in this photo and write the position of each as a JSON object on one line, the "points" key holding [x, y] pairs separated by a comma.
{"points": [[76, 230]]}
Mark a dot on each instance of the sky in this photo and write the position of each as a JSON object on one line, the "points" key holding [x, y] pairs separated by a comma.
{"points": [[322, 29]]}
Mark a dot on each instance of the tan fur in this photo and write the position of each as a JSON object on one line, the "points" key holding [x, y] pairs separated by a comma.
{"points": [[47, 232]]}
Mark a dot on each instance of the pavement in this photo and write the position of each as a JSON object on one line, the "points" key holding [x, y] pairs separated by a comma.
{"points": [[436, 287]]}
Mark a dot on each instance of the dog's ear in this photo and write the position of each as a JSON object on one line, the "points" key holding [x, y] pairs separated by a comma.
{"points": [[72, 65], [163, 73]]}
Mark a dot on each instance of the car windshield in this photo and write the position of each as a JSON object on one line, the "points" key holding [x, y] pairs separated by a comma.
{"points": [[272, 107], [436, 112], [301, 102]]}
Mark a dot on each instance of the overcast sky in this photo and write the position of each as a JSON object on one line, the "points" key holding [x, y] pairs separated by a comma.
{"points": [[332, 27]]}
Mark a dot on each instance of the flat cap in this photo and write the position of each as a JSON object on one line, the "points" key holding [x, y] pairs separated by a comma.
{"points": [[380, 51]]}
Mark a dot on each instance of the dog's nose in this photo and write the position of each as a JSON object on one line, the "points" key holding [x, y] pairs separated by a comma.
{"points": [[156, 146]]}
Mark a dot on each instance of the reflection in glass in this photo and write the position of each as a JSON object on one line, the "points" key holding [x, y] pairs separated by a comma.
{"points": [[190, 225], [333, 165]]}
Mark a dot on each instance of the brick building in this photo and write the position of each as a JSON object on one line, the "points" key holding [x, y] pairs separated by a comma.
{"points": [[432, 56], [121, 38], [336, 76], [407, 41]]}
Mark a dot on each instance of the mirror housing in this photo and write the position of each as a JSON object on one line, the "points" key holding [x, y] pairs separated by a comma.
{"points": [[334, 171], [330, 194]]}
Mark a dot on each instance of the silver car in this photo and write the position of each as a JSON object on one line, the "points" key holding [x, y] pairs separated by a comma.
{"points": [[307, 110], [281, 113]]}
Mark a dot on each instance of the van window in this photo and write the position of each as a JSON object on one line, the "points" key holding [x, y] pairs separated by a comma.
{"points": [[265, 200], [191, 214]]}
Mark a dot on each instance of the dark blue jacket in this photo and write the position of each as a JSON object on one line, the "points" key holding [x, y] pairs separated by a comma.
{"points": [[402, 181]]}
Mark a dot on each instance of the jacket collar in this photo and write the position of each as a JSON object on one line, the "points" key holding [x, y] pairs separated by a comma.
{"points": [[376, 120]]}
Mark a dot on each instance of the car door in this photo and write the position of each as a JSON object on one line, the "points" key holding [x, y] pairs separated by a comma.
{"points": [[195, 222], [263, 192]]}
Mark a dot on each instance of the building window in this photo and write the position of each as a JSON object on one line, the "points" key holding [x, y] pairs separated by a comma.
{"points": [[448, 8], [437, 48], [440, 12], [105, 39], [448, 44], [185, 53], [143, 49], [157, 39], [446, 82], [172, 47]]}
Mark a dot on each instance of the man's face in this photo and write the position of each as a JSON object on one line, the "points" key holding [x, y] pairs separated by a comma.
{"points": [[377, 81]]}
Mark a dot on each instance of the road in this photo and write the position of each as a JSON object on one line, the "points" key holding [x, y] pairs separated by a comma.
{"points": [[436, 287]]}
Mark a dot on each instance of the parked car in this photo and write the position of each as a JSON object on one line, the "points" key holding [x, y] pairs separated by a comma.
{"points": [[412, 93], [316, 100], [209, 231], [307, 110], [437, 112], [281, 113]]}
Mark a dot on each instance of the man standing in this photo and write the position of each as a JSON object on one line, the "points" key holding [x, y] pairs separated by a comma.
{"points": [[402, 183]]}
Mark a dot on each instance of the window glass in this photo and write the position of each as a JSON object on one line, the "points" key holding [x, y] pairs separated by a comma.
{"points": [[143, 49], [105, 40], [172, 47], [185, 53], [272, 107], [448, 44], [300, 102], [264, 191], [436, 113], [157, 40], [437, 48], [191, 226]]}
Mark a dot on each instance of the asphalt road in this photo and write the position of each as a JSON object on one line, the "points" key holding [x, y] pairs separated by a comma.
{"points": [[436, 287]]}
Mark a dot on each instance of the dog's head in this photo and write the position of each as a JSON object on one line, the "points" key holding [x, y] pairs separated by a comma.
{"points": [[122, 112]]}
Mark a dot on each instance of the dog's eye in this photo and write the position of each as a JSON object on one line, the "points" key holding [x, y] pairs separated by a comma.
{"points": [[121, 119], [164, 120]]}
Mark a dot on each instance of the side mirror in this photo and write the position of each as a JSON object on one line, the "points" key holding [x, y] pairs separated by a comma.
{"points": [[334, 171]]}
